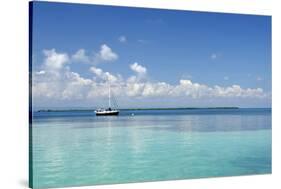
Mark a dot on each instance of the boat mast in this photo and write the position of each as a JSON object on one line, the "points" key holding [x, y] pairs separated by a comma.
{"points": [[109, 96]]}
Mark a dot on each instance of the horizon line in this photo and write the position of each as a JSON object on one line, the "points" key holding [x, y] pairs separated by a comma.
{"points": [[136, 109]]}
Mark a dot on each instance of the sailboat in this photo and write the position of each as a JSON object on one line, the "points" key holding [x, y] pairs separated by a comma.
{"points": [[109, 111]]}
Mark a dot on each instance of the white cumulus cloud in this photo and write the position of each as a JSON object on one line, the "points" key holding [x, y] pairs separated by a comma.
{"points": [[138, 68], [55, 60], [105, 76], [106, 54], [80, 56]]}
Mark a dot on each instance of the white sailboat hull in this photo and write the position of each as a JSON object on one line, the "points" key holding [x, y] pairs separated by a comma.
{"points": [[106, 112]]}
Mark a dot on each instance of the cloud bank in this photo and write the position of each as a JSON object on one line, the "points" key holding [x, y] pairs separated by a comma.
{"points": [[56, 81]]}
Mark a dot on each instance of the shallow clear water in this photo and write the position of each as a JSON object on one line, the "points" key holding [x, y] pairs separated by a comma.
{"points": [[78, 148]]}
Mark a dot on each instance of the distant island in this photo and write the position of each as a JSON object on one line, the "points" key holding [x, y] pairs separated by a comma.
{"points": [[137, 109]]}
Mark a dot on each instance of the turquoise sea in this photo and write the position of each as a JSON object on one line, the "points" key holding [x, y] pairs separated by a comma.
{"points": [[74, 148]]}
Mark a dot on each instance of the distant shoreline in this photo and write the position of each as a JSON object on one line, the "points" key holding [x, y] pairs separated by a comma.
{"points": [[136, 109]]}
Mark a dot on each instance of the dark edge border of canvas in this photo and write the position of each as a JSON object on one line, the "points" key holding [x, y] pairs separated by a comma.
{"points": [[30, 166]]}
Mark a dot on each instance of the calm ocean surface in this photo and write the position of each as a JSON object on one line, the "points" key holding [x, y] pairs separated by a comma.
{"points": [[77, 148]]}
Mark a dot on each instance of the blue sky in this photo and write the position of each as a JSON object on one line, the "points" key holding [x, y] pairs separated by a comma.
{"points": [[211, 49]]}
